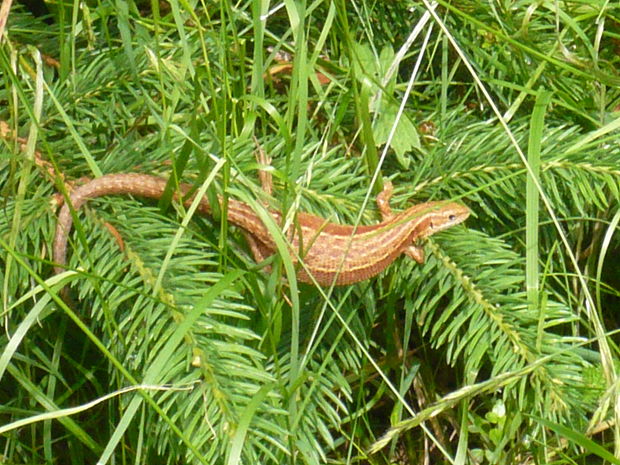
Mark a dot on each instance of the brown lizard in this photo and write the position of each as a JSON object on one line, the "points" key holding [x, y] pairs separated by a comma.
{"points": [[331, 253]]}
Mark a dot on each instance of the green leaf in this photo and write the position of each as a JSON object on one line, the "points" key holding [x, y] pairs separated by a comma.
{"points": [[405, 137]]}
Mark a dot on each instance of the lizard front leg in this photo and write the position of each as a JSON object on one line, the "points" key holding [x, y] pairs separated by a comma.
{"points": [[383, 203]]}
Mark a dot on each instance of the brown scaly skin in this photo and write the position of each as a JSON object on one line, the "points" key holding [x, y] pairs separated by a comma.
{"points": [[331, 253]]}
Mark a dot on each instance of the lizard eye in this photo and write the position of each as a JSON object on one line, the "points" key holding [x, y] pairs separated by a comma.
{"points": [[452, 217]]}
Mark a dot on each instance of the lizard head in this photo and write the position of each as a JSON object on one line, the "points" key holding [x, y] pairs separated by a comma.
{"points": [[441, 215]]}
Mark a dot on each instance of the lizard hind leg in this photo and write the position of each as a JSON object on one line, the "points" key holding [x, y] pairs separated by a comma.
{"points": [[264, 175], [260, 251]]}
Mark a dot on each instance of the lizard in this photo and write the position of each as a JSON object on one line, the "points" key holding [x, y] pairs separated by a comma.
{"points": [[331, 253]]}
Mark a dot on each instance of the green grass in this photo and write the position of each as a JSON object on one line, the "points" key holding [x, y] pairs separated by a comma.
{"points": [[500, 349]]}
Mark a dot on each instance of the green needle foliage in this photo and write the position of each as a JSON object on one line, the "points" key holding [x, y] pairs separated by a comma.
{"points": [[176, 347]]}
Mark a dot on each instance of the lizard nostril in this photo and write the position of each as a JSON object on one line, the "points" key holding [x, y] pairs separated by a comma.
{"points": [[452, 217]]}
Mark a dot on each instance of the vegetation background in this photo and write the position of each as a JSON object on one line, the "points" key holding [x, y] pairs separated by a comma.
{"points": [[500, 349]]}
